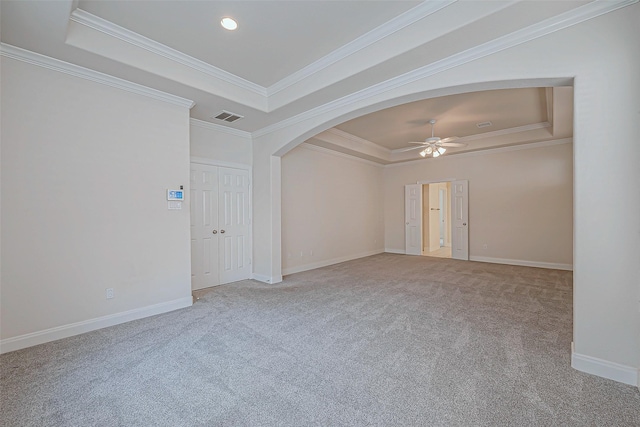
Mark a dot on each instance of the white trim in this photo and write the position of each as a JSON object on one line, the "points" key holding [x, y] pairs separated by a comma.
{"points": [[532, 32], [214, 162], [87, 19], [550, 265], [509, 131], [493, 134], [385, 30], [327, 262], [438, 181], [517, 147], [220, 128], [353, 143], [394, 251], [483, 152], [43, 61], [549, 98], [604, 368], [266, 279], [340, 134], [65, 331], [312, 147]]}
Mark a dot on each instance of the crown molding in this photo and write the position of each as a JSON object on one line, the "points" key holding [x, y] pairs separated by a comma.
{"points": [[485, 135], [313, 147], [43, 61], [532, 32], [107, 27], [216, 162], [509, 131], [219, 128], [353, 143], [549, 105], [488, 151], [396, 24], [342, 135]]}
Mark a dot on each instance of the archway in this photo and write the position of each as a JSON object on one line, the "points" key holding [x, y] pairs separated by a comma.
{"points": [[281, 149]]}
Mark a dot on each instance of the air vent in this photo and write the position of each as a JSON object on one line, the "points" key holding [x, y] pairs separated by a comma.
{"points": [[227, 116], [484, 125]]}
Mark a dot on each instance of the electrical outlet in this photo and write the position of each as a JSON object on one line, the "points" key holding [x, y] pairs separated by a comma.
{"points": [[485, 246], [110, 293]]}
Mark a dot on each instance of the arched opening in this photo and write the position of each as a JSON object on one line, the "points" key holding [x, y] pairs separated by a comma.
{"points": [[336, 206]]}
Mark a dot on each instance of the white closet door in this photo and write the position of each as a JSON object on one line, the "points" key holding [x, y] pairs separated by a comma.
{"points": [[204, 223], [235, 224]]}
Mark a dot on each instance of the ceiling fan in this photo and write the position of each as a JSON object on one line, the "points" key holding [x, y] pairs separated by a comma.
{"points": [[434, 145]]}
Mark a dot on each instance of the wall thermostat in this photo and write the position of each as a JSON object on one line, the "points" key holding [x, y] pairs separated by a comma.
{"points": [[175, 195]]}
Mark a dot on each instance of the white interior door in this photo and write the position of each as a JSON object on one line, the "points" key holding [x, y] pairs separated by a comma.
{"points": [[235, 223], [460, 219], [413, 219], [443, 210], [434, 218], [204, 223]]}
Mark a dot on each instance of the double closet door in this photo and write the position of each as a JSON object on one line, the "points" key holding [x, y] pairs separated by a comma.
{"points": [[220, 225]]}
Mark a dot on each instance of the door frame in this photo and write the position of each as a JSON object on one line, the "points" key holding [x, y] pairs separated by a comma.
{"points": [[249, 169], [437, 181]]}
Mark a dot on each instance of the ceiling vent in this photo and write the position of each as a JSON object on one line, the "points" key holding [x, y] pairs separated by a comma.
{"points": [[227, 116], [484, 125]]}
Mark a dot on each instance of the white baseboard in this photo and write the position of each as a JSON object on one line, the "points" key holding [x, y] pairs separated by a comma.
{"points": [[394, 251], [324, 263], [65, 331], [266, 279], [551, 265], [605, 369]]}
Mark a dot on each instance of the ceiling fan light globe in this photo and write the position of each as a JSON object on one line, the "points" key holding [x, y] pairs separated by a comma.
{"points": [[435, 153], [423, 153], [428, 150], [441, 150]]}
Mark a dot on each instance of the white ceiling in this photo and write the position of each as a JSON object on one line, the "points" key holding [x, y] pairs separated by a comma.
{"points": [[291, 57], [274, 38]]}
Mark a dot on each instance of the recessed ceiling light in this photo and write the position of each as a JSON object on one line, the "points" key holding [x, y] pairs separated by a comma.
{"points": [[229, 23]]}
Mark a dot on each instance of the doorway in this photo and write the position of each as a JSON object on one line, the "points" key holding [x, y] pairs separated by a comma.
{"points": [[220, 225], [424, 215], [436, 219]]}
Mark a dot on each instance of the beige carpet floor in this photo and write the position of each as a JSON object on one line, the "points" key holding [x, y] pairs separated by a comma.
{"points": [[387, 340]]}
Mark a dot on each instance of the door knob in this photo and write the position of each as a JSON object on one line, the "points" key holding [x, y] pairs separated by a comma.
{"points": [[464, 223], [407, 223], [215, 231], [222, 231]]}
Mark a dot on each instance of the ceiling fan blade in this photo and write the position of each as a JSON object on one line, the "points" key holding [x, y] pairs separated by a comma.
{"points": [[411, 148], [417, 142], [453, 144], [449, 139]]}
